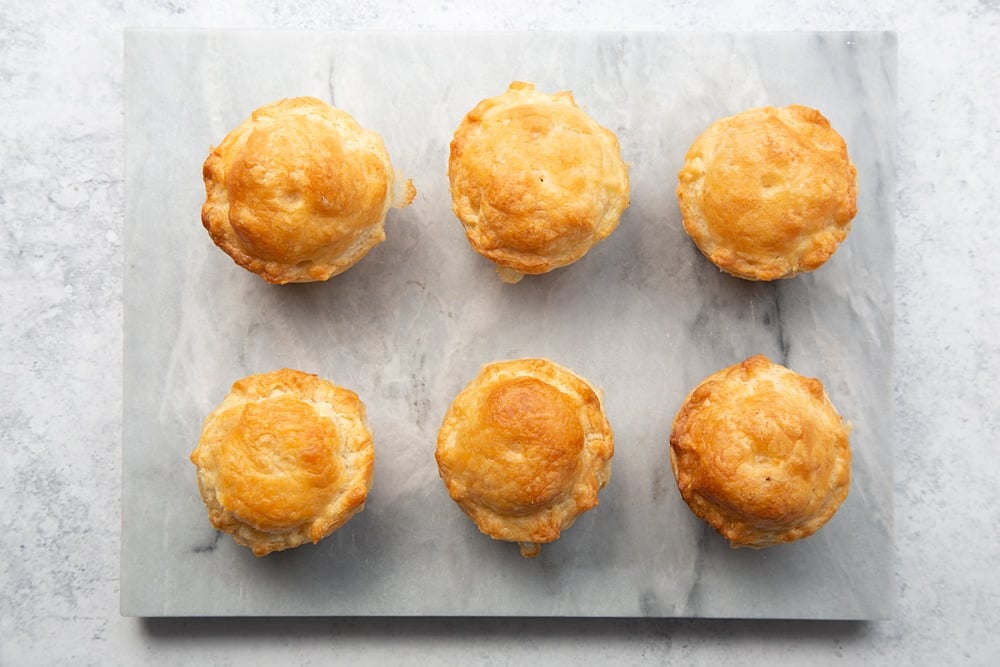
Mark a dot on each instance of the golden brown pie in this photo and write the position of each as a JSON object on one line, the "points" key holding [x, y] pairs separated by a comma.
{"points": [[524, 449], [760, 453], [285, 459], [535, 181], [299, 191], [769, 192]]}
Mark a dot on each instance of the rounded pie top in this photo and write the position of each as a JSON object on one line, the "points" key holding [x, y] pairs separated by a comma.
{"points": [[769, 192], [760, 453], [286, 458], [299, 191], [535, 181], [524, 449]]}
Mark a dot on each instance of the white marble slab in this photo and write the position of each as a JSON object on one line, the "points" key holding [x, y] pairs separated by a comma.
{"points": [[643, 316]]}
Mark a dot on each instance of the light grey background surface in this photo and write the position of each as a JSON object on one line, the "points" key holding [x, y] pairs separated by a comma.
{"points": [[62, 202], [644, 316]]}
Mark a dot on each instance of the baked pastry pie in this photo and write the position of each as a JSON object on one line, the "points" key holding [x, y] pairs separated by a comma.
{"points": [[299, 191], [535, 181], [286, 458], [769, 192], [760, 453], [524, 449]]}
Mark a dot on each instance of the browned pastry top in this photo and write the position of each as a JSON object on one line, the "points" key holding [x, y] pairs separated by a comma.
{"points": [[299, 191], [535, 181], [524, 449], [760, 453], [769, 192], [286, 458]]}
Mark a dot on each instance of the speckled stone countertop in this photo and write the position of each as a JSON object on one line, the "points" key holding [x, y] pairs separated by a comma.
{"points": [[62, 201]]}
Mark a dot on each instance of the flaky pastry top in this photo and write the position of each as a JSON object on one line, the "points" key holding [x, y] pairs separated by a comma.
{"points": [[761, 454], [535, 181], [769, 192], [286, 458], [299, 191], [524, 449]]}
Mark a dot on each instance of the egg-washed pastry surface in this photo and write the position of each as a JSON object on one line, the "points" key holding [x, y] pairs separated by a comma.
{"points": [[769, 192], [299, 191], [535, 181], [761, 454], [524, 449], [285, 459]]}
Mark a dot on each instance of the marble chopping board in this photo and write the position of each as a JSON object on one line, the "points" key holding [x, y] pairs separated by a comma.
{"points": [[643, 316]]}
